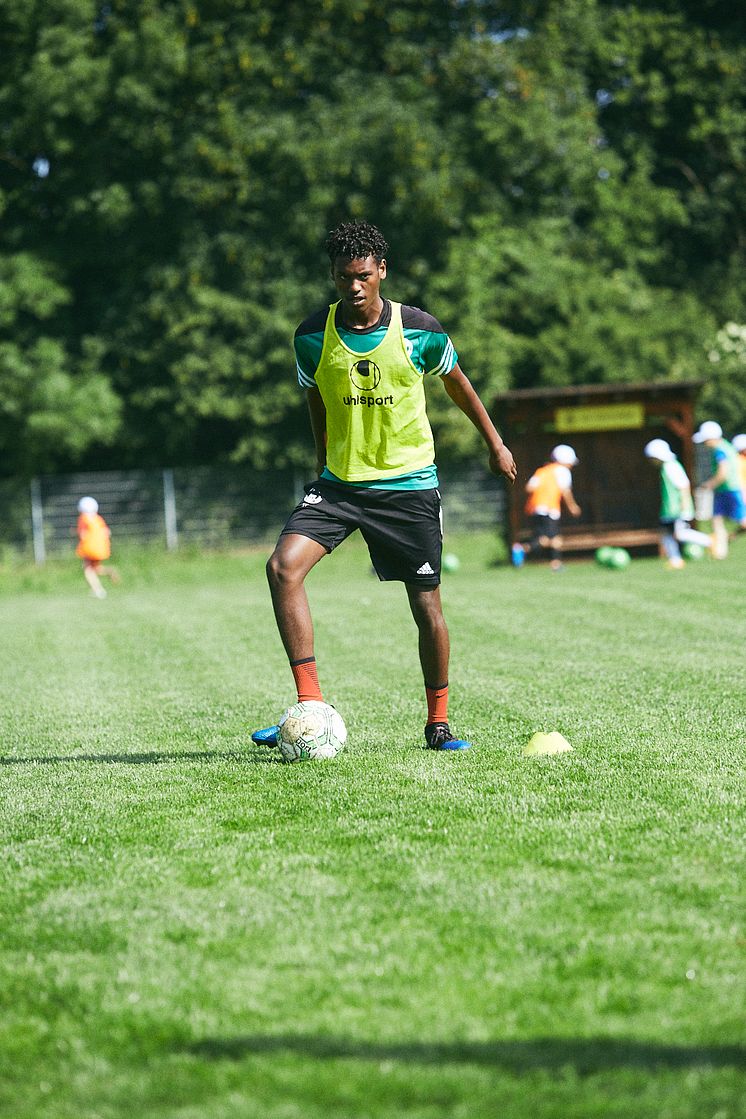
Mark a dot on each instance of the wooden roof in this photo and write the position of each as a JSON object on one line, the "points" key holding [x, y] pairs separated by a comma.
{"points": [[686, 389]]}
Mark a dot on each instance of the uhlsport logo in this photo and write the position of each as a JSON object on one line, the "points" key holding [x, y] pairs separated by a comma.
{"points": [[365, 375]]}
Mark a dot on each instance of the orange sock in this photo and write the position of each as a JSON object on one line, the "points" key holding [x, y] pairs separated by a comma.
{"points": [[306, 679], [437, 703]]}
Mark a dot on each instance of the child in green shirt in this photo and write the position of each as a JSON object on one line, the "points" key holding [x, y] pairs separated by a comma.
{"points": [[677, 506]]}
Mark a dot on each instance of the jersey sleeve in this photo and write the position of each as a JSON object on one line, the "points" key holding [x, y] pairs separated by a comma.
{"points": [[306, 362], [677, 475], [308, 343], [438, 355], [432, 350], [564, 478]]}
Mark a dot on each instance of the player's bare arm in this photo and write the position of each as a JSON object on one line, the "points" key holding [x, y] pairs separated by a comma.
{"points": [[317, 413], [572, 506], [464, 395]]}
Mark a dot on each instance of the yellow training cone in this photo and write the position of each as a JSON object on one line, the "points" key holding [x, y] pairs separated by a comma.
{"points": [[553, 743]]}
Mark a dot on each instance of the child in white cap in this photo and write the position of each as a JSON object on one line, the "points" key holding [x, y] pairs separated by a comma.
{"points": [[725, 483], [677, 506], [94, 545], [547, 488]]}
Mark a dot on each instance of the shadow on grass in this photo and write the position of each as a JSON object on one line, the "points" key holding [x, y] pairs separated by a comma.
{"points": [[586, 1055], [158, 757]]}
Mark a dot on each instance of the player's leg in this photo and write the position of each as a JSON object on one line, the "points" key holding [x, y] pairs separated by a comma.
{"points": [[320, 522], [670, 546], [90, 571], [433, 640], [538, 540], [685, 534], [555, 553], [720, 536], [542, 533], [287, 567], [434, 649], [404, 534], [552, 542]]}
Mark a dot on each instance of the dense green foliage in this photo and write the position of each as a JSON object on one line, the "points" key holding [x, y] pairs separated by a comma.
{"points": [[561, 182], [193, 931]]}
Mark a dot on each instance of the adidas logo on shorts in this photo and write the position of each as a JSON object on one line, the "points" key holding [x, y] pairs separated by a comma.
{"points": [[426, 569]]}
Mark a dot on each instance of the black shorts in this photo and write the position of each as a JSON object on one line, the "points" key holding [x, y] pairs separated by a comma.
{"points": [[544, 525], [402, 528]]}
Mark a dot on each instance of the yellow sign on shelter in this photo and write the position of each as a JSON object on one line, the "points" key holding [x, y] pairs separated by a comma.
{"points": [[599, 417]]}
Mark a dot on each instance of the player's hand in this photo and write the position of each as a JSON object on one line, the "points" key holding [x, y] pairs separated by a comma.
{"points": [[502, 462]]}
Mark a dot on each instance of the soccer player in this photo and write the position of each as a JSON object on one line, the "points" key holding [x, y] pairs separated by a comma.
{"points": [[677, 506], [362, 362], [725, 482], [94, 545], [547, 488]]}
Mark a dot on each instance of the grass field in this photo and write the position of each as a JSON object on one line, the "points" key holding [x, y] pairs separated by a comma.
{"points": [[190, 929]]}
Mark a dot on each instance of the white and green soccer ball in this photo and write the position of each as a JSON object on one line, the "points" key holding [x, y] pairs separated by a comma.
{"points": [[311, 730]]}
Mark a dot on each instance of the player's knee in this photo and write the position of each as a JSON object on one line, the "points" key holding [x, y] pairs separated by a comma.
{"points": [[428, 612], [279, 570]]}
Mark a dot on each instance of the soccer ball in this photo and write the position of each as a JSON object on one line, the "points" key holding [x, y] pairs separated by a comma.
{"points": [[311, 729], [619, 559]]}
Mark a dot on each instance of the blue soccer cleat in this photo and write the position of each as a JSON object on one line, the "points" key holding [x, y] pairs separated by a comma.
{"points": [[266, 737], [438, 737]]}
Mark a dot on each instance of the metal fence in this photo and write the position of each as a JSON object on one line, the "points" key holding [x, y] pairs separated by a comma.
{"points": [[211, 507]]}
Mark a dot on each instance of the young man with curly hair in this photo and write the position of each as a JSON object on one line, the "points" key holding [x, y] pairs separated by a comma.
{"points": [[362, 362]]}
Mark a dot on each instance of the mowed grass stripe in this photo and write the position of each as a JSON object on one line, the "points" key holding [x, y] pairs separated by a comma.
{"points": [[193, 930]]}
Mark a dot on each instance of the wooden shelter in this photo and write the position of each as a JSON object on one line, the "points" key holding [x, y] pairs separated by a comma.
{"points": [[608, 427]]}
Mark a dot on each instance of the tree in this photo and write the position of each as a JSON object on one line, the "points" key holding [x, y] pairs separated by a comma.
{"points": [[560, 182], [53, 405]]}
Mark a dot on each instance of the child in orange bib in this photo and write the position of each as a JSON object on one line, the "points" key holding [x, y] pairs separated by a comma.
{"points": [[94, 545], [547, 488]]}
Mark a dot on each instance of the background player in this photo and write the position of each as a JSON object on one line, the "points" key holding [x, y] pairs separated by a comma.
{"points": [[94, 545], [725, 483], [547, 488], [677, 505]]}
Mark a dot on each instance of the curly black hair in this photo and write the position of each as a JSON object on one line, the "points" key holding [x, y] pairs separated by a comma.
{"points": [[356, 240]]}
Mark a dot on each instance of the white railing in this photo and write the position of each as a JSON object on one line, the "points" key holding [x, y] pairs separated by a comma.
{"points": [[207, 506]]}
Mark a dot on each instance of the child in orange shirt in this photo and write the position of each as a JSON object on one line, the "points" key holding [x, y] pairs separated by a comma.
{"points": [[548, 488], [94, 545]]}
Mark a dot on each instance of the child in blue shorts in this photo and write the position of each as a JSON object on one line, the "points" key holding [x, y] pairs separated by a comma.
{"points": [[725, 482]]}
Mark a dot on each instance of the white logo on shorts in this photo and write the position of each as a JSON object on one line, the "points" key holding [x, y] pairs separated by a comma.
{"points": [[312, 498], [426, 569]]}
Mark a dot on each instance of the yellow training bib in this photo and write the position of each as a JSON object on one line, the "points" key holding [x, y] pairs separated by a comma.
{"points": [[376, 421]]}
